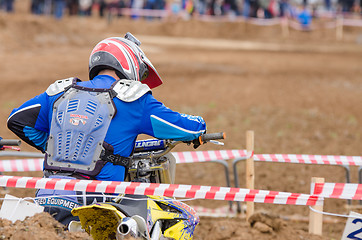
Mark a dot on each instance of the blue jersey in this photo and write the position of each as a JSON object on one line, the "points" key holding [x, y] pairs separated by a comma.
{"points": [[32, 123]]}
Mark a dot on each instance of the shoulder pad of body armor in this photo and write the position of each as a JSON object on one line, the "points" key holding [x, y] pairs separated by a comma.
{"points": [[60, 85], [130, 90]]}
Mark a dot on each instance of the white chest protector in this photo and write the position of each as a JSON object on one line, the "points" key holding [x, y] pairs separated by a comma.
{"points": [[81, 118]]}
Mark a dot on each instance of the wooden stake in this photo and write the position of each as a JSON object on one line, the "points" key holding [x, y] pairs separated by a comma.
{"points": [[250, 176], [285, 27], [339, 28], [316, 219]]}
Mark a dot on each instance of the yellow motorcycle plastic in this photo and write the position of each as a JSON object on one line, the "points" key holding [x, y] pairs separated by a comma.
{"points": [[101, 220]]}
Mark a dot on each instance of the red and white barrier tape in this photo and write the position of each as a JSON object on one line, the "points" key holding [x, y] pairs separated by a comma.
{"points": [[310, 159], [264, 22], [297, 26], [162, 13], [352, 191], [24, 165], [290, 21], [143, 12], [169, 190], [352, 22], [205, 156]]}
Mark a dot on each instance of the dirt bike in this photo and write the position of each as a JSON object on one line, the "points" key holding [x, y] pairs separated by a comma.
{"points": [[145, 217]]}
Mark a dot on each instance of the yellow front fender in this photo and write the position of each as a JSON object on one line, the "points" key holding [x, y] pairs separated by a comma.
{"points": [[99, 220]]}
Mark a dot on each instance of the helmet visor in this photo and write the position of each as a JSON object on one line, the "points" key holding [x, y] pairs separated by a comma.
{"points": [[153, 79]]}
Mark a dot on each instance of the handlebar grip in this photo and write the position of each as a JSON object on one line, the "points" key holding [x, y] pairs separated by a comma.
{"points": [[10, 142], [211, 136]]}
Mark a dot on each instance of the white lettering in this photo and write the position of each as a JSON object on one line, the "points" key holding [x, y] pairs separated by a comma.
{"points": [[66, 204], [57, 202], [148, 143]]}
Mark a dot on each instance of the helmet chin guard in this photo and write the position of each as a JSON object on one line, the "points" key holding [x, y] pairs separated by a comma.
{"points": [[126, 58]]}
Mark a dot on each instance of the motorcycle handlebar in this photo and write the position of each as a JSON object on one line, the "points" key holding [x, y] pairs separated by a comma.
{"points": [[10, 142], [211, 136], [168, 145]]}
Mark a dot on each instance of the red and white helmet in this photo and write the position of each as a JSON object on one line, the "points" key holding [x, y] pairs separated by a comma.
{"points": [[126, 58]]}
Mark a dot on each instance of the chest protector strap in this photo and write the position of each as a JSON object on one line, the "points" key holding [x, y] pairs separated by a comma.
{"points": [[81, 118]]}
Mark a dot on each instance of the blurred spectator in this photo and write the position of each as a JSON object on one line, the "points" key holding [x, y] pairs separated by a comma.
{"points": [[85, 7], [246, 8], [283, 7], [59, 6], [264, 4], [150, 4], [160, 4], [239, 7], [73, 7], [254, 7], [305, 18], [230, 7], [7, 5], [2, 4], [40, 7], [154, 5], [48, 7], [102, 6], [115, 7], [201, 6], [136, 4], [346, 5], [34, 7], [37, 6], [176, 8], [217, 7]]}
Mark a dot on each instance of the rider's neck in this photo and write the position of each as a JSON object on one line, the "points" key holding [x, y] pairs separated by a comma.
{"points": [[109, 72]]}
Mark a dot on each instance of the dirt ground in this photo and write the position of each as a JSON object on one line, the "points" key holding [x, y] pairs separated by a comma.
{"points": [[300, 94]]}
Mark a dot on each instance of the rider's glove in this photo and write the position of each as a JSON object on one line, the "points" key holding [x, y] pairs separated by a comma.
{"points": [[196, 143]]}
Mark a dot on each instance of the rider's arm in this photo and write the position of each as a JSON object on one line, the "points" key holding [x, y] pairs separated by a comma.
{"points": [[30, 122], [161, 122]]}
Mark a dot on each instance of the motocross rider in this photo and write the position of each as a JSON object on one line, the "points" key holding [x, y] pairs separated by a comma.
{"points": [[88, 129]]}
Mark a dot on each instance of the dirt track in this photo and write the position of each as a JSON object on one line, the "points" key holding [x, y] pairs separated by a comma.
{"points": [[300, 95]]}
